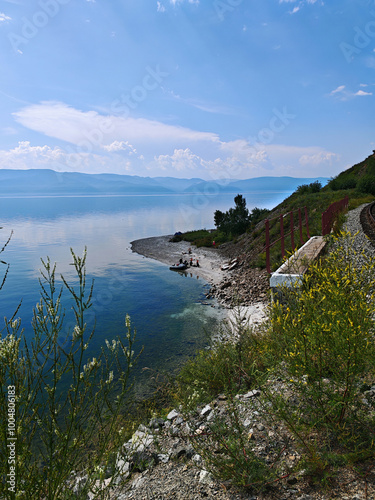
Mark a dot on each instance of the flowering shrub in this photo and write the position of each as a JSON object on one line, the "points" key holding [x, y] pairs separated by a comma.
{"points": [[313, 365], [325, 336]]}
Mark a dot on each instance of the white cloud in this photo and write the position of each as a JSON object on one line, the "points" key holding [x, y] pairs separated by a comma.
{"points": [[160, 7], [235, 160], [344, 94], [4, 17], [96, 142], [362, 93], [120, 146], [339, 89], [301, 3], [58, 120], [318, 158], [25, 156], [182, 159], [200, 104], [175, 2], [299, 161]]}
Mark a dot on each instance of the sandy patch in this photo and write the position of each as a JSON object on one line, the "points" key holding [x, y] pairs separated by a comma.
{"points": [[161, 249]]}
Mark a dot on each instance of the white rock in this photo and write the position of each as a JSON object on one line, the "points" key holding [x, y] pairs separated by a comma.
{"points": [[163, 457], [80, 483], [140, 440], [197, 458], [251, 394], [205, 477], [122, 466], [172, 415], [137, 483], [206, 410]]}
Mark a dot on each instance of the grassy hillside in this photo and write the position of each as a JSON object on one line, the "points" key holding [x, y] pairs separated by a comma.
{"points": [[360, 177]]}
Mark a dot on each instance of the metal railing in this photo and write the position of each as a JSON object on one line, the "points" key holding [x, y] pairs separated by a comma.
{"points": [[302, 220], [329, 216]]}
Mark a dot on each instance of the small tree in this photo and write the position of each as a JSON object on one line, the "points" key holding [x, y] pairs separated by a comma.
{"points": [[235, 220]]}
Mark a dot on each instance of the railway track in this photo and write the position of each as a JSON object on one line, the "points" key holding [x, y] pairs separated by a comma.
{"points": [[367, 219]]}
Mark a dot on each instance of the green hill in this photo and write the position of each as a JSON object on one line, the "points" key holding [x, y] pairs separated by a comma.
{"points": [[357, 182], [360, 176]]}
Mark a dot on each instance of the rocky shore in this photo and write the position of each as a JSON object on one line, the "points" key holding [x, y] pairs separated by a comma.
{"points": [[160, 461], [232, 283]]}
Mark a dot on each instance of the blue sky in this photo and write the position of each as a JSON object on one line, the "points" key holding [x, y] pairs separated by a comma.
{"points": [[187, 88]]}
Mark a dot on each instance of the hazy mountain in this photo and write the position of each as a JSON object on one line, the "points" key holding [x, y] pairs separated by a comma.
{"points": [[48, 182], [257, 184]]}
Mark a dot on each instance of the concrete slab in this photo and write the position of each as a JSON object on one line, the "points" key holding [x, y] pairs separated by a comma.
{"points": [[294, 268]]}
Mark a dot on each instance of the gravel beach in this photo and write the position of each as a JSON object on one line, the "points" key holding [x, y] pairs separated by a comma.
{"points": [[210, 261], [160, 248]]}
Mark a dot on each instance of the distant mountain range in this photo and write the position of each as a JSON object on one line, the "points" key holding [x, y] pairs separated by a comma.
{"points": [[45, 182]]}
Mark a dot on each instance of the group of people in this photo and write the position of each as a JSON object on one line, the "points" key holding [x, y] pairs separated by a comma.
{"points": [[191, 263]]}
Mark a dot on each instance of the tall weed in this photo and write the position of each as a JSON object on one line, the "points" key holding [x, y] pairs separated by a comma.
{"points": [[68, 408]]}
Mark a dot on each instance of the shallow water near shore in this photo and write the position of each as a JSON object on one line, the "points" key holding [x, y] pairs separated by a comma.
{"points": [[165, 307]]}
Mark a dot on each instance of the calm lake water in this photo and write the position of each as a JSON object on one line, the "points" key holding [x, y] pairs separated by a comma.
{"points": [[164, 306]]}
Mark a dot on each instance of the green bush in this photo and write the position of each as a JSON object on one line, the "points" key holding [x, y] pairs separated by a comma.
{"points": [[313, 187], [228, 367], [343, 182], [367, 184], [199, 238]]}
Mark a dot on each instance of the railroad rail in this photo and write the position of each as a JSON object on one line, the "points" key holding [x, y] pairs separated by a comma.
{"points": [[367, 219]]}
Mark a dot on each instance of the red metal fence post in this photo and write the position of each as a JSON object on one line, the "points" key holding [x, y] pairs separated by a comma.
{"points": [[282, 236], [307, 224], [292, 229], [328, 217], [300, 226], [268, 265]]}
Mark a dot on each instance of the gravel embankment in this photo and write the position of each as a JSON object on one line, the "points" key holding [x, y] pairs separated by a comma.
{"points": [[353, 226]]}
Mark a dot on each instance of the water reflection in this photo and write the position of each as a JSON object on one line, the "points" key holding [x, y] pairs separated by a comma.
{"points": [[158, 301]]}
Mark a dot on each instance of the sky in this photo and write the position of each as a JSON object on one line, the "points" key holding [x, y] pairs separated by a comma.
{"points": [[215, 89]]}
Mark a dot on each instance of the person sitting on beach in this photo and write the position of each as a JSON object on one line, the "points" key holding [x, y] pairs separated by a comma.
{"points": [[197, 264], [191, 261], [180, 261]]}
